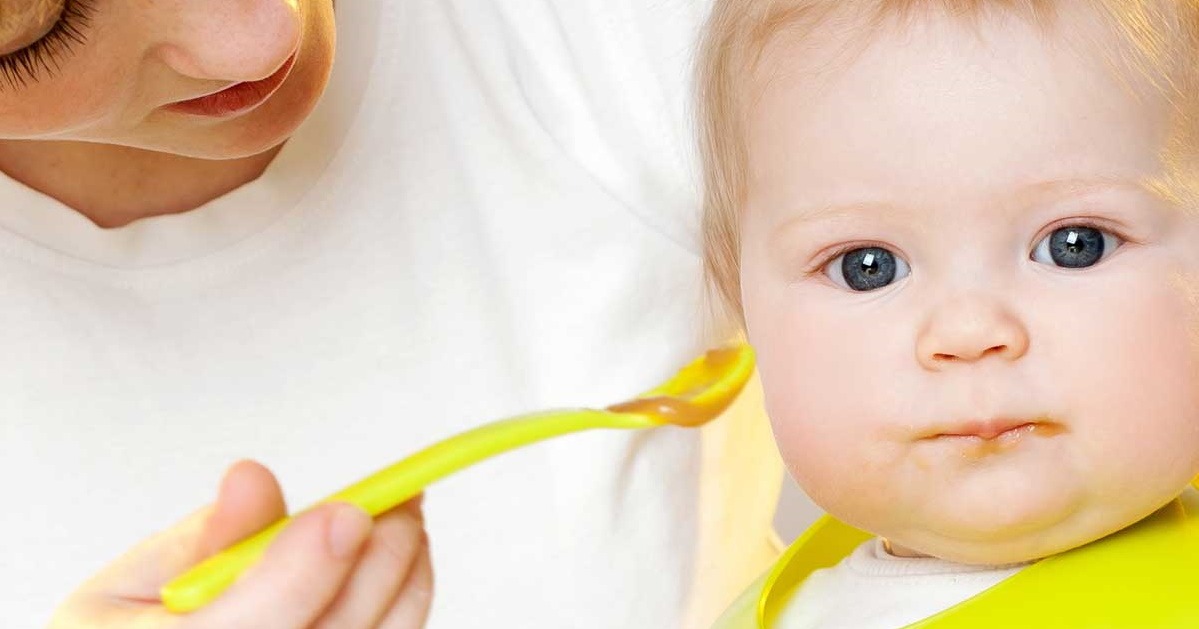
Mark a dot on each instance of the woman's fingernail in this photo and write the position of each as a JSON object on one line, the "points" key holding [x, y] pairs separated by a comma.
{"points": [[348, 528]]}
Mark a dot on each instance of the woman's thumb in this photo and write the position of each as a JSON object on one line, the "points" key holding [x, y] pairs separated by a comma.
{"points": [[249, 499]]}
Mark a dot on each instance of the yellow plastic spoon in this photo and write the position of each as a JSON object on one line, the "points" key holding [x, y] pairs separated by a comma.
{"points": [[696, 394]]}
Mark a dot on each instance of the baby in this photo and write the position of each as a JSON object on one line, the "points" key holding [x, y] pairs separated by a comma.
{"points": [[961, 236]]}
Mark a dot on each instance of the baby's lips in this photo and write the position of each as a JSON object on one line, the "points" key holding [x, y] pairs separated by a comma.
{"points": [[993, 427]]}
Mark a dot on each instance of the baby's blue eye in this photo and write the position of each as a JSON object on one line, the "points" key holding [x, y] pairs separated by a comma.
{"points": [[1075, 247], [866, 269]]}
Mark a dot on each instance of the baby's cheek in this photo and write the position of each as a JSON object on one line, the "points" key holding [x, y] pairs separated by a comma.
{"points": [[1184, 278], [819, 441], [1185, 288], [825, 372], [1186, 284], [1148, 393]]}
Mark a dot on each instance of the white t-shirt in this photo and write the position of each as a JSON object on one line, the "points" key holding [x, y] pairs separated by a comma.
{"points": [[493, 210], [872, 589]]}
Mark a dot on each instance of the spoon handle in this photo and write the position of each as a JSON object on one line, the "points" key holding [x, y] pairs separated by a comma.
{"points": [[393, 485]]}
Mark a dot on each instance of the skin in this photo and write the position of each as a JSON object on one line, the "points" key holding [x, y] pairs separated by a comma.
{"points": [[332, 568], [960, 150], [95, 135], [101, 116]]}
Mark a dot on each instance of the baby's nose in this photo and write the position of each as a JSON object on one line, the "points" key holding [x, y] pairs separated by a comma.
{"points": [[968, 328]]}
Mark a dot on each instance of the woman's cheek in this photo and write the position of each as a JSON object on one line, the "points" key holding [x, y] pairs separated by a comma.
{"points": [[66, 106]]}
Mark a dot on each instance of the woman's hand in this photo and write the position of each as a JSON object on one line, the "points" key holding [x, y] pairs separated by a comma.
{"points": [[331, 567]]}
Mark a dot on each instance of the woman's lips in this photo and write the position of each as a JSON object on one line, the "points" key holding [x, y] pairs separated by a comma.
{"points": [[238, 98]]}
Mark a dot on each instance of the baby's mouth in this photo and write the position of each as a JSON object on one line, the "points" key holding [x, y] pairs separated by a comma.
{"points": [[978, 438]]}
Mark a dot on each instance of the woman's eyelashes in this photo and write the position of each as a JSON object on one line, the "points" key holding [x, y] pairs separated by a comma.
{"points": [[871, 267], [44, 57]]}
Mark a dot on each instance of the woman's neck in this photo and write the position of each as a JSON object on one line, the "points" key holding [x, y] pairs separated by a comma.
{"points": [[115, 185]]}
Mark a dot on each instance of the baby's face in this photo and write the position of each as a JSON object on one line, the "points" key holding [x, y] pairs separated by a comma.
{"points": [[974, 313]]}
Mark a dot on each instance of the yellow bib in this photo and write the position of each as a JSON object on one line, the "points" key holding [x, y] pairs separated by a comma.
{"points": [[1143, 577]]}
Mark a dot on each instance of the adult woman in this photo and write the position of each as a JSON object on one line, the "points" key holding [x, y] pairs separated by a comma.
{"points": [[486, 195]]}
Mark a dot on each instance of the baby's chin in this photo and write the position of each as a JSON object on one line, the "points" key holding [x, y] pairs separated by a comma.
{"points": [[1010, 550], [992, 535]]}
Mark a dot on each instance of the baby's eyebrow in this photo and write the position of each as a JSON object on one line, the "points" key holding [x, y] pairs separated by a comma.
{"points": [[1073, 186], [800, 217], [1024, 195], [1157, 185], [1168, 186], [834, 211]]}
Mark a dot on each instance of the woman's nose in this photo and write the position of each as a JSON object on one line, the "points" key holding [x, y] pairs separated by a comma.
{"points": [[227, 40], [967, 329]]}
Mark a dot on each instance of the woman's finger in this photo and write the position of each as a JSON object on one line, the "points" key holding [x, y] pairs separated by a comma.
{"points": [[299, 575], [249, 499], [389, 556], [411, 607]]}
